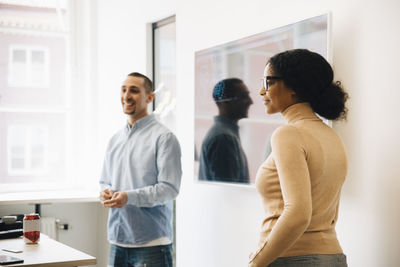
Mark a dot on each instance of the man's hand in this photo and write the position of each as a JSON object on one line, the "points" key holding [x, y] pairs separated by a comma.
{"points": [[118, 200], [106, 194]]}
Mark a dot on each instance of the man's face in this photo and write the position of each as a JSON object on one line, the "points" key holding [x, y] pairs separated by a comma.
{"points": [[240, 107], [134, 98]]}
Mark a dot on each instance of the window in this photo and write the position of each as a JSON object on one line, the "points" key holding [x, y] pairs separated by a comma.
{"points": [[27, 150], [164, 71], [48, 110], [28, 66]]}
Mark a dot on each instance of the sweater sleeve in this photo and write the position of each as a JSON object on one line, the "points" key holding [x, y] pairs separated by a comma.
{"points": [[290, 158]]}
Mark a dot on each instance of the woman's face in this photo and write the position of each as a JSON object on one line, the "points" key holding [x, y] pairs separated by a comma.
{"points": [[278, 97]]}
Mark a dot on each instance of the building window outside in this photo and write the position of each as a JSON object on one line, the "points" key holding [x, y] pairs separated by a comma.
{"points": [[28, 66], [35, 110], [47, 130], [27, 150]]}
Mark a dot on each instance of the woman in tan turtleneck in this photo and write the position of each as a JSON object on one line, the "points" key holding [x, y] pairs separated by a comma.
{"points": [[300, 182]]}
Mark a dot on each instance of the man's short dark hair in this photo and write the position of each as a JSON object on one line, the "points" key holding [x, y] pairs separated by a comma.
{"points": [[148, 84], [226, 89]]}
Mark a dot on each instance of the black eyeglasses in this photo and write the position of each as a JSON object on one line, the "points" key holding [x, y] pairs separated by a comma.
{"points": [[266, 78]]}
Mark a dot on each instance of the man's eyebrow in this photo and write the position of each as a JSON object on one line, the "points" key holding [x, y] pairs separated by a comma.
{"points": [[130, 87]]}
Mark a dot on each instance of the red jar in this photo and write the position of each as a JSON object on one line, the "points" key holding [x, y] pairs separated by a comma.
{"points": [[31, 226]]}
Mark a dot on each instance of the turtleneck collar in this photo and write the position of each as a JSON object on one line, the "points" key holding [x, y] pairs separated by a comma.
{"points": [[299, 111]]}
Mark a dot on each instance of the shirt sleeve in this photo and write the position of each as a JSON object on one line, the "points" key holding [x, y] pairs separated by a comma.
{"points": [[168, 164], [290, 159]]}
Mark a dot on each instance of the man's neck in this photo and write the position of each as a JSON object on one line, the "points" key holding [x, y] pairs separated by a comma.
{"points": [[132, 119], [235, 120]]}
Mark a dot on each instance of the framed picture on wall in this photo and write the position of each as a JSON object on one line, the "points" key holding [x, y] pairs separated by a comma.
{"points": [[232, 133]]}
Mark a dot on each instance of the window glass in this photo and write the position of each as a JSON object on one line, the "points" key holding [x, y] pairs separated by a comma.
{"points": [[19, 56], [34, 90], [28, 67], [26, 150], [17, 144], [38, 142], [38, 67], [165, 72], [18, 67]]}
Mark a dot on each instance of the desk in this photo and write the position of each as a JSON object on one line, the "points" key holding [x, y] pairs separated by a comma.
{"points": [[47, 252]]}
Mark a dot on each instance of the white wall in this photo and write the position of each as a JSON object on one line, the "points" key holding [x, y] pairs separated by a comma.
{"points": [[219, 226], [122, 48]]}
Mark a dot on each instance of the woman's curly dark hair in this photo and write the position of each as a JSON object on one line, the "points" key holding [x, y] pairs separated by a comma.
{"points": [[311, 77]]}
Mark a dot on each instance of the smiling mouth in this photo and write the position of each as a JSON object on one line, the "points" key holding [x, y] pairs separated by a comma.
{"points": [[128, 104]]}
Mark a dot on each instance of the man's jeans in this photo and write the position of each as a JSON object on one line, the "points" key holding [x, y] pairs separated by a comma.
{"points": [[157, 256]]}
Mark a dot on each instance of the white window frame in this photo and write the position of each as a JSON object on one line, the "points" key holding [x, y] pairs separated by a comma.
{"points": [[27, 151], [28, 66]]}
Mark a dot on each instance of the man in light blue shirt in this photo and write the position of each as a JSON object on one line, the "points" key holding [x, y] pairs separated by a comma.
{"points": [[140, 178]]}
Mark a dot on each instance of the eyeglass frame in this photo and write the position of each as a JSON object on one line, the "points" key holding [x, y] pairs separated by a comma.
{"points": [[266, 78]]}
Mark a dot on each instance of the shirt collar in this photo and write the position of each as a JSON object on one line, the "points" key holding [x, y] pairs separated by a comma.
{"points": [[227, 122], [140, 123]]}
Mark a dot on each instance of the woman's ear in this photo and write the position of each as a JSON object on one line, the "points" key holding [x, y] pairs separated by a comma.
{"points": [[294, 96]]}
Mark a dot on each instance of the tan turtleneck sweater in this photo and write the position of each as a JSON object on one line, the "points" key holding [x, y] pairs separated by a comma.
{"points": [[300, 184]]}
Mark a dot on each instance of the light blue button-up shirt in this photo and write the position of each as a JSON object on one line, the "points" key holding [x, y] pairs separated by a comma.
{"points": [[144, 161]]}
